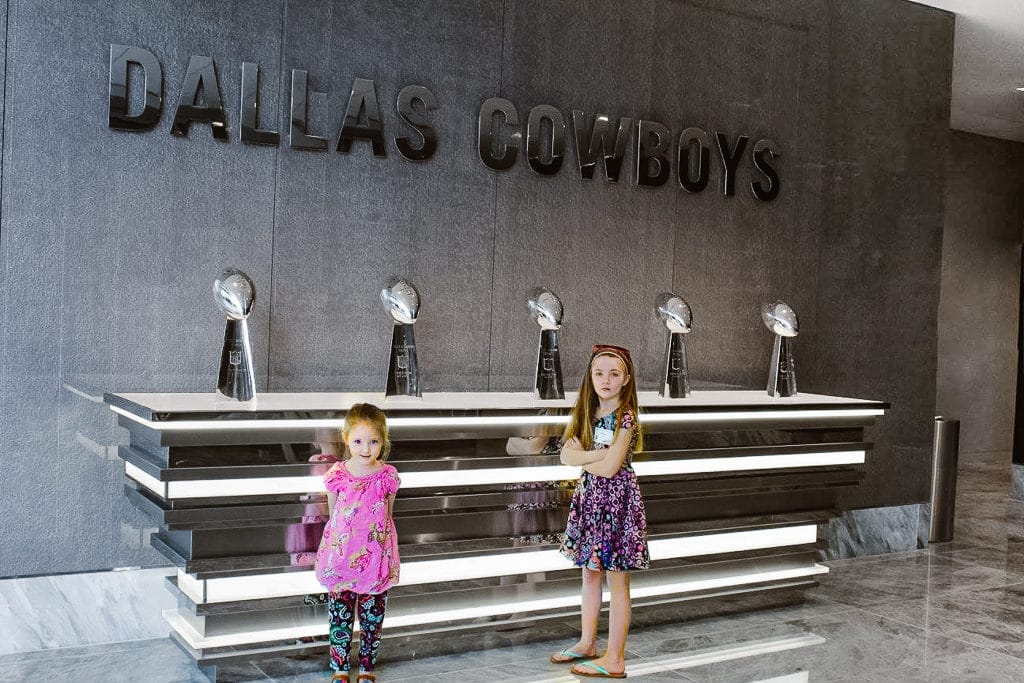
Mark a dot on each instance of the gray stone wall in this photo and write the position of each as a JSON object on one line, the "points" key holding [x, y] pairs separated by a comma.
{"points": [[110, 240], [979, 309]]}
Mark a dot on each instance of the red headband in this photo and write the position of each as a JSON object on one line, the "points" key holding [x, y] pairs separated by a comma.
{"points": [[612, 350]]}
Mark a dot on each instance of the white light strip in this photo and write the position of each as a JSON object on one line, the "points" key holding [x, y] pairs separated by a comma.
{"points": [[496, 420], [261, 586], [192, 587], [254, 486], [798, 677], [573, 600], [741, 463], [495, 475], [213, 488], [149, 481], [757, 415], [435, 616]]}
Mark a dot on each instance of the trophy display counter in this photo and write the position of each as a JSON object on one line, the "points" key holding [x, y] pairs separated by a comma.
{"points": [[734, 482]]}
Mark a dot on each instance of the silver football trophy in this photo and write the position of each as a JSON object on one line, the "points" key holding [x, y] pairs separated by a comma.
{"points": [[236, 294], [546, 309], [780, 319], [676, 315], [402, 301]]}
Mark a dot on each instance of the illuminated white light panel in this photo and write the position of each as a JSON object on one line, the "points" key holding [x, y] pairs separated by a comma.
{"points": [[747, 462], [147, 480], [798, 677], [192, 587], [435, 616], [252, 486], [261, 586], [496, 420]]}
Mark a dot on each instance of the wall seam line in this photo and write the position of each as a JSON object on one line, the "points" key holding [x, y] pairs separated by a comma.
{"points": [[273, 201], [3, 168], [494, 212]]}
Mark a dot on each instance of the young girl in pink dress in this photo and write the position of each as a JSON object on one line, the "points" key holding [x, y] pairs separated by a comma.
{"points": [[357, 561], [606, 533]]}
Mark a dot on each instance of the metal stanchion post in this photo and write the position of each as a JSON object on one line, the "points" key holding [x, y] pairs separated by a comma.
{"points": [[945, 452]]}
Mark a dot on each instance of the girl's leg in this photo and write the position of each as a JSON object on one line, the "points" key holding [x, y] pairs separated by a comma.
{"points": [[371, 623], [340, 612], [614, 658], [589, 612]]}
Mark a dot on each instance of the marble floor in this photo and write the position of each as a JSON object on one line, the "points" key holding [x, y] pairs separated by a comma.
{"points": [[952, 612]]}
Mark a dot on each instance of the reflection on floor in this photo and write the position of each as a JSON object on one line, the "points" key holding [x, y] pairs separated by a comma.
{"points": [[953, 612]]}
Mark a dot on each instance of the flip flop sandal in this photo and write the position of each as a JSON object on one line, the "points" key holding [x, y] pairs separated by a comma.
{"points": [[366, 676], [599, 672], [340, 677], [567, 656]]}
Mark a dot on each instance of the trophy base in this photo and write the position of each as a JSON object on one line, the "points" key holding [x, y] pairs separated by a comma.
{"points": [[548, 385], [223, 401], [781, 372], [403, 368], [676, 373], [236, 379]]}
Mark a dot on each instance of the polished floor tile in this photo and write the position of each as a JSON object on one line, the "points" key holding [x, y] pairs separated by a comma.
{"points": [[951, 612], [992, 618], [152, 661], [861, 583]]}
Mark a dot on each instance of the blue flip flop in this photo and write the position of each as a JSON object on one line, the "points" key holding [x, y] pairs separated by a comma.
{"points": [[599, 672], [567, 656]]}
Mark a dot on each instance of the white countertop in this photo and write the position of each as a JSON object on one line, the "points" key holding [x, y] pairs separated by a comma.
{"points": [[339, 401]]}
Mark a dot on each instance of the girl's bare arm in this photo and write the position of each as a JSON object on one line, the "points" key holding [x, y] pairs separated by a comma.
{"points": [[574, 454], [612, 457]]}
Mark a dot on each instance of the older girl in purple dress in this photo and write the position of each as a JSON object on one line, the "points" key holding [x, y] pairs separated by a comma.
{"points": [[607, 528]]}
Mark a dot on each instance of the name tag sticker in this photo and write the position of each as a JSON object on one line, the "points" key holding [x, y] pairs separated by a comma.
{"points": [[604, 436]]}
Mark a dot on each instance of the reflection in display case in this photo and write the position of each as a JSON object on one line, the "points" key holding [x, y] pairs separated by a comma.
{"points": [[734, 482]]}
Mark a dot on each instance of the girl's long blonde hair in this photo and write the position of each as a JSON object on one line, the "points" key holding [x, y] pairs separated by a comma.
{"points": [[368, 414], [581, 420]]}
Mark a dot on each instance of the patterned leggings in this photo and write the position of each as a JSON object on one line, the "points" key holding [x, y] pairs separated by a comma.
{"points": [[341, 607]]}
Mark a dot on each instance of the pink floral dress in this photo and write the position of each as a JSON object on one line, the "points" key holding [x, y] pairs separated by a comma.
{"points": [[359, 550]]}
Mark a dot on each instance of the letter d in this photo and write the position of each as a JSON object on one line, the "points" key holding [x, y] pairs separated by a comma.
{"points": [[118, 117]]}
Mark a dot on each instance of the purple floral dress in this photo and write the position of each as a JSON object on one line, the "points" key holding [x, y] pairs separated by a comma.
{"points": [[607, 526]]}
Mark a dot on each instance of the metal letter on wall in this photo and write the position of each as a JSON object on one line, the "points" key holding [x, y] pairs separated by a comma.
{"points": [[298, 138], [117, 114], [487, 137], [363, 98], [653, 142], [200, 82], [251, 132], [686, 163], [600, 142], [407, 97], [730, 160], [762, 153], [534, 123]]}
